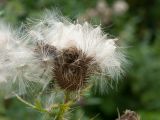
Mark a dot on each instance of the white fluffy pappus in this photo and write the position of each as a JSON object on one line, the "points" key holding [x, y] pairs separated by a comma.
{"points": [[56, 52], [18, 69], [53, 57], [59, 32]]}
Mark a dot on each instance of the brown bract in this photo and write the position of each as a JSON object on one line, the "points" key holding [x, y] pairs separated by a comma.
{"points": [[71, 67], [129, 115]]}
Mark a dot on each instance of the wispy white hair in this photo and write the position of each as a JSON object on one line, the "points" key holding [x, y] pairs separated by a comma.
{"points": [[22, 68], [17, 73], [61, 33]]}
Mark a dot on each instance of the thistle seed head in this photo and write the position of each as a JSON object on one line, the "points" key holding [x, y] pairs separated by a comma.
{"points": [[59, 53], [75, 52], [71, 69], [70, 66]]}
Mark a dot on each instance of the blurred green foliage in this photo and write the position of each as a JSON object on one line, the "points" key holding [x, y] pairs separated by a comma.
{"points": [[138, 29]]}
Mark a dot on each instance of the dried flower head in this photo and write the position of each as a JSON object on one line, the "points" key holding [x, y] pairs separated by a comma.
{"points": [[59, 55], [75, 52], [53, 61], [129, 115], [72, 69]]}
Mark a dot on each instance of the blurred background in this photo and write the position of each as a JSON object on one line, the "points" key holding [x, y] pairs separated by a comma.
{"points": [[136, 23]]}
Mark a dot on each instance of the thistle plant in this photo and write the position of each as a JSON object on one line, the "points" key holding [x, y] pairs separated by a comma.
{"points": [[50, 62]]}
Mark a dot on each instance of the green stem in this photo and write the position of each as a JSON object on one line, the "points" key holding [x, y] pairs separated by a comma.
{"points": [[30, 105], [67, 97], [60, 115], [63, 108]]}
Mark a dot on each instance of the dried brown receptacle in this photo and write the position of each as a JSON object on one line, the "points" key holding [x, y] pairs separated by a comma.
{"points": [[71, 69]]}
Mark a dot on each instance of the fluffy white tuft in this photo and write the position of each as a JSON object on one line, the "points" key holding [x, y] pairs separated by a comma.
{"points": [[18, 69], [59, 32], [23, 70]]}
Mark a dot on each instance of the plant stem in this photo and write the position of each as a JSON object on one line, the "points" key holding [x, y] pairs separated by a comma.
{"points": [[63, 108], [30, 105]]}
